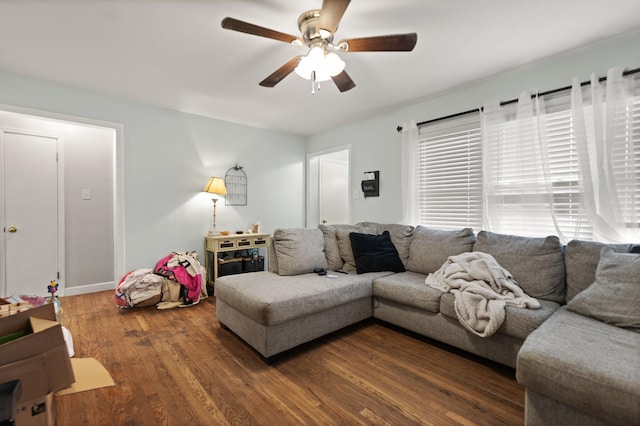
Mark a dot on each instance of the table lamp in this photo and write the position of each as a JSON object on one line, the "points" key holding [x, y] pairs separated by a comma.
{"points": [[215, 186]]}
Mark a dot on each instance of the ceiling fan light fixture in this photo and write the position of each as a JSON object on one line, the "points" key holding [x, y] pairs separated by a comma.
{"points": [[309, 63], [333, 63], [315, 57], [325, 65]]}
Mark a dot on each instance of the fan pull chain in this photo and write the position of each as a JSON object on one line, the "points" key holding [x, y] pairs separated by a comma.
{"points": [[313, 82]]}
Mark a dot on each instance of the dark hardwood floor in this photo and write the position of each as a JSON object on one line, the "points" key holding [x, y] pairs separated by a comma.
{"points": [[179, 367]]}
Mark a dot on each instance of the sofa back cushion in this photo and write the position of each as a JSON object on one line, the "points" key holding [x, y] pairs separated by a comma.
{"points": [[430, 248], [614, 297], [338, 246], [581, 260], [537, 264], [299, 250], [272, 259], [344, 244], [331, 250]]}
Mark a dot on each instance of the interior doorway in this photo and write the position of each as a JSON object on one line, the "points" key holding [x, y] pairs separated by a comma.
{"points": [[328, 187], [90, 184]]}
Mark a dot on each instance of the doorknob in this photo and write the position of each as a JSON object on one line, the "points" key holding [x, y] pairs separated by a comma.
{"points": [[13, 229]]}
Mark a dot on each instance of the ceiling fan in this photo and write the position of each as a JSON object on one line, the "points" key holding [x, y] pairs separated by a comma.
{"points": [[321, 63]]}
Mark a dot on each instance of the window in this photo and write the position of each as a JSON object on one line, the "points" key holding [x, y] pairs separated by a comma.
{"points": [[534, 177], [449, 173], [523, 171]]}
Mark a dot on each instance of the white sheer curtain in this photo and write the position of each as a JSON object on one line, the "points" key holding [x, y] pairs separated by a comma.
{"points": [[607, 131], [410, 137], [517, 186], [568, 165]]}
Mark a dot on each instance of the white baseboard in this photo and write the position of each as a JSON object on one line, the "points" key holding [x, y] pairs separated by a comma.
{"points": [[89, 288]]}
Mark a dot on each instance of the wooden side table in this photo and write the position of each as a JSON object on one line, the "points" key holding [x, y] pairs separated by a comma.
{"points": [[225, 243]]}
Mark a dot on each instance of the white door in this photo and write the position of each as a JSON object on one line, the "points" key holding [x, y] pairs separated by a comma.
{"points": [[30, 177], [328, 199], [334, 190]]}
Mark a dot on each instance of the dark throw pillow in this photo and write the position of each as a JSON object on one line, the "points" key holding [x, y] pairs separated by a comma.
{"points": [[375, 253]]}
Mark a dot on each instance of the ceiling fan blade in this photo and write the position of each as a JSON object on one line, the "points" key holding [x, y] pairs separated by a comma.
{"points": [[281, 73], [343, 81], [245, 27], [330, 15], [385, 43]]}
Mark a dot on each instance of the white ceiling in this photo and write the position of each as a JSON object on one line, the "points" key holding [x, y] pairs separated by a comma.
{"points": [[176, 55]]}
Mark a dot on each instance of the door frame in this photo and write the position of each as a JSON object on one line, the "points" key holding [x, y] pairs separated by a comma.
{"points": [[312, 208], [118, 187], [60, 208]]}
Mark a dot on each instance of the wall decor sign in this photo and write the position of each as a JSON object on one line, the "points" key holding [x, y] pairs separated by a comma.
{"points": [[371, 184], [236, 182]]}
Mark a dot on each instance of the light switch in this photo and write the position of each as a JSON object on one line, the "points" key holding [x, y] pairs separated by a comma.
{"points": [[86, 194]]}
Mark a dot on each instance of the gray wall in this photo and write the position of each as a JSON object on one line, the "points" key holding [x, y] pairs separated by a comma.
{"points": [[168, 157], [375, 143]]}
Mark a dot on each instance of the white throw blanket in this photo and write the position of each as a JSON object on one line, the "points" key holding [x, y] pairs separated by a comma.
{"points": [[481, 288]]}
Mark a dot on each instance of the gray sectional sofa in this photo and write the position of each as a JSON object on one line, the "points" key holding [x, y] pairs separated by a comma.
{"points": [[577, 368]]}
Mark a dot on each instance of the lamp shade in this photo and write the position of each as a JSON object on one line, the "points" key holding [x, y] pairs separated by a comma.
{"points": [[216, 186]]}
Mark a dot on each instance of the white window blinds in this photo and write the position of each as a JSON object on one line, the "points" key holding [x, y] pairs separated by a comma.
{"points": [[449, 173], [625, 160]]}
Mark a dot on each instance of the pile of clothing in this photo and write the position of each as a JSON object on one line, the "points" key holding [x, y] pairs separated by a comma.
{"points": [[175, 281]]}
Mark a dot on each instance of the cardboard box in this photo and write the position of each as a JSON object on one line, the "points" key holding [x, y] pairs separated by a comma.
{"points": [[37, 412], [90, 374], [41, 343], [35, 405]]}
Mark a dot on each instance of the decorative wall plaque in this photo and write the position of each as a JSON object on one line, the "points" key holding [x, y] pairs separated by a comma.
{"points": [[236, 182]]}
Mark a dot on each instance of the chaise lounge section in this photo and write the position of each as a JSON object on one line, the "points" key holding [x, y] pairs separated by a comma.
{"points": [[274, 313], [582, 366]]}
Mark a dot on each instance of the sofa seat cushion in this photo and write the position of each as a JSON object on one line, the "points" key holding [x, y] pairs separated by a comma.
{"points": [[585, 364], [272, 299], [408, 288], [518, 322]]}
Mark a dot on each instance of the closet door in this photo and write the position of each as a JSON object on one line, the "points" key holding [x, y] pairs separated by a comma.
{"points": [[30, 196]]}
